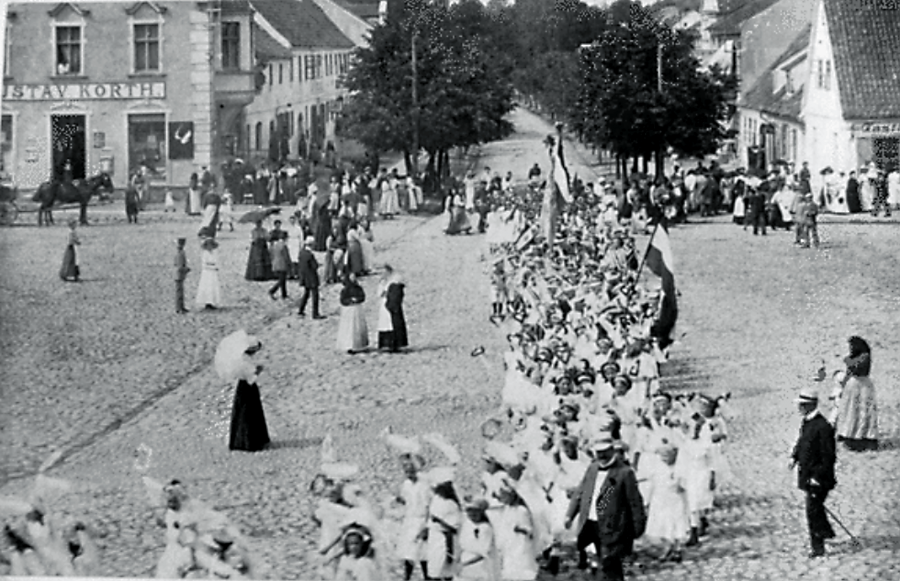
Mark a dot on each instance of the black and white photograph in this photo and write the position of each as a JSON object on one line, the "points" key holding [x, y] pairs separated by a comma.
{"points": [[500, 290]]}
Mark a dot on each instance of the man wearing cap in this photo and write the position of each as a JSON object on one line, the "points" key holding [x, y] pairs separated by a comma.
{"points": [[814, 457], [309, 278], [809, 211], [610, 510]]}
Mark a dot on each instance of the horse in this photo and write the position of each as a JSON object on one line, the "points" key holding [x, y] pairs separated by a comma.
{"points": [[78, 191]]}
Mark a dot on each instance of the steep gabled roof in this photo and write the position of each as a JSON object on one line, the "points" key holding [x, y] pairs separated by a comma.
{"points": [[865, 39], [800, 44], [760, 97], [303, 23], [268, 48], [365, 9], [729, 23]]}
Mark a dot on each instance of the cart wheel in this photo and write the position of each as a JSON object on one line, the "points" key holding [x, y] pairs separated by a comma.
{"points": [[8, 213]]}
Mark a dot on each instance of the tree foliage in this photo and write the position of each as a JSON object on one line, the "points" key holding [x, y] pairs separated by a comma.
{"points": [[620, 105], [461, 80]]}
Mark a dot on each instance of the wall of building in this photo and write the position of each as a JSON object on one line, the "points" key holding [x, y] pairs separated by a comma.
{"points": [[108, 91], [281, 95], [828, 138], [767, 35]]}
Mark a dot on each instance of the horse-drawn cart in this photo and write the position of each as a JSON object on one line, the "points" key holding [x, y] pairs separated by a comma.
{"points": [[9, 211]]}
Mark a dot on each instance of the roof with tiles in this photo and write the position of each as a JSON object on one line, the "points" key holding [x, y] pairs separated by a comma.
{"points": [[865, 39], [732, 15], [302, 23], [761, 97], [267, 47]]}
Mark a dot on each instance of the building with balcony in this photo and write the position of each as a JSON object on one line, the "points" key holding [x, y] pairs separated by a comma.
{"points": [[119, 85], [303, 48]]}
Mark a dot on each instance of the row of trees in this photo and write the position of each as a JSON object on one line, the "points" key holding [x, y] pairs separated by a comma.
{"points": [[435, 77]]}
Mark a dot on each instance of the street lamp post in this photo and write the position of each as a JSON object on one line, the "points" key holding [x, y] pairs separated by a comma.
{"points": [[415, 107]]}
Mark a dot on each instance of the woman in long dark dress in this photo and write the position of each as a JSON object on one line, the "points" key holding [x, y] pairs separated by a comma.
{"points": [[234, 362], [323, 227], [353, 333], [355, 263], [259, 262], [392, 334], [69, 269]]}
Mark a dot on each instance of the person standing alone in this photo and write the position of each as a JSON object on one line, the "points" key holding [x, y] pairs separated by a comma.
{"points": [[309, 279], [181, 270], [814, 457]]}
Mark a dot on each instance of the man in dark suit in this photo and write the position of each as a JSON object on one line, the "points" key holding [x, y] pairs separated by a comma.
{"points": [[610, 509], [814, 457], [852, 194], [309, 278]]}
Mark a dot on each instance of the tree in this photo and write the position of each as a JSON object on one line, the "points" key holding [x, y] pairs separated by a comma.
{"points": [[457, 94], [637, 108]]}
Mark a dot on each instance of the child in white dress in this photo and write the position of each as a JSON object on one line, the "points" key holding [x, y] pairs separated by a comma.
{"points": [[695, 465], [357, 562], [415, 496], [669, 518], [444, 520], [514, 532], [478, 553], [209, 295]]}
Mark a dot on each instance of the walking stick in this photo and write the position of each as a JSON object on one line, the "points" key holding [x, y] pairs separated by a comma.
{"points": [[855, 541]]}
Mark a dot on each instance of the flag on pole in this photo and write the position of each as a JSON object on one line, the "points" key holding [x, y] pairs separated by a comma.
{"points": [[560, 175], [661, 263]]}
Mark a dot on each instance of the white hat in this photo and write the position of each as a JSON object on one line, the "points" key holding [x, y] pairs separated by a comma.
{"points": [[402, 444], [441, 474], [808, 395], [340, 470], [602, 444]]}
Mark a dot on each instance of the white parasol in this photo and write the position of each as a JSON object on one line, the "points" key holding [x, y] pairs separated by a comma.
{"points": [[230, 361], [402, 444]]}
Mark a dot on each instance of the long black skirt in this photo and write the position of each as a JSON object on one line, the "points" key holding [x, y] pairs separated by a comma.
{"points": [[248, 422], [68, 269], [259, 263]]}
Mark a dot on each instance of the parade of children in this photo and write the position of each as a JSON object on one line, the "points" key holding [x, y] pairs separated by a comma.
{"points": [[586, 464]]}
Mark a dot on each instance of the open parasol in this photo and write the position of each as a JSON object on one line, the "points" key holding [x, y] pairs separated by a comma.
{"points": [[258, 215], [229, 360]]}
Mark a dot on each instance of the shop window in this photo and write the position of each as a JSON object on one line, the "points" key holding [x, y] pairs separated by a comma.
{"points": [[146, 48], [147, 143], [6, 145], [69, 50], [231, 45]]}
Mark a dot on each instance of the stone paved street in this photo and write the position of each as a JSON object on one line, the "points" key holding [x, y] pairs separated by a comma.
{"points": [[757, 315]]}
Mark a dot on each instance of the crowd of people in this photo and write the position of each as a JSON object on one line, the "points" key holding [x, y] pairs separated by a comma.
{"points": [[587, 453]]}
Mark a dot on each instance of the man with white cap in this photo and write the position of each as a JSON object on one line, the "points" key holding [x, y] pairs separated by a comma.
{"points": [[610, 510], [814, 456]]}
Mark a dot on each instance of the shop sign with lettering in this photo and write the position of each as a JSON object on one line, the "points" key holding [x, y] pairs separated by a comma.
{"points": [[875, 129], [84, 91]]}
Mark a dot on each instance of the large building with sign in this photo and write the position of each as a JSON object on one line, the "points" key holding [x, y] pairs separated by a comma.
{"points": [[851, 105], [119, 85]]}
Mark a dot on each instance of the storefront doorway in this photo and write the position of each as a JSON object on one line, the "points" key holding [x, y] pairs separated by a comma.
{"points": [[67, 135], [886, 153]]}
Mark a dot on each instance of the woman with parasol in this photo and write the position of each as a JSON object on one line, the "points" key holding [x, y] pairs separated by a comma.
{"points": [[233, 363]]}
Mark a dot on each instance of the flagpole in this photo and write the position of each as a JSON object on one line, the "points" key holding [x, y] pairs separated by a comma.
{"points": [[647, 252]]}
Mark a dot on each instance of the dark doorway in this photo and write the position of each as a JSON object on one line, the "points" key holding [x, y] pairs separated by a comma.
{"points": [[887, 153], [68, 143]]}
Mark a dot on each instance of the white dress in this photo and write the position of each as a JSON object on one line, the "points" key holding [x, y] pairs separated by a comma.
{"points": [[695, 465], [208, 292], [389, 203], [441, 549], [367, 242], [893, 179], [517, 562], [416, 495], [669, 518], [353, 569], [477, 540]]}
